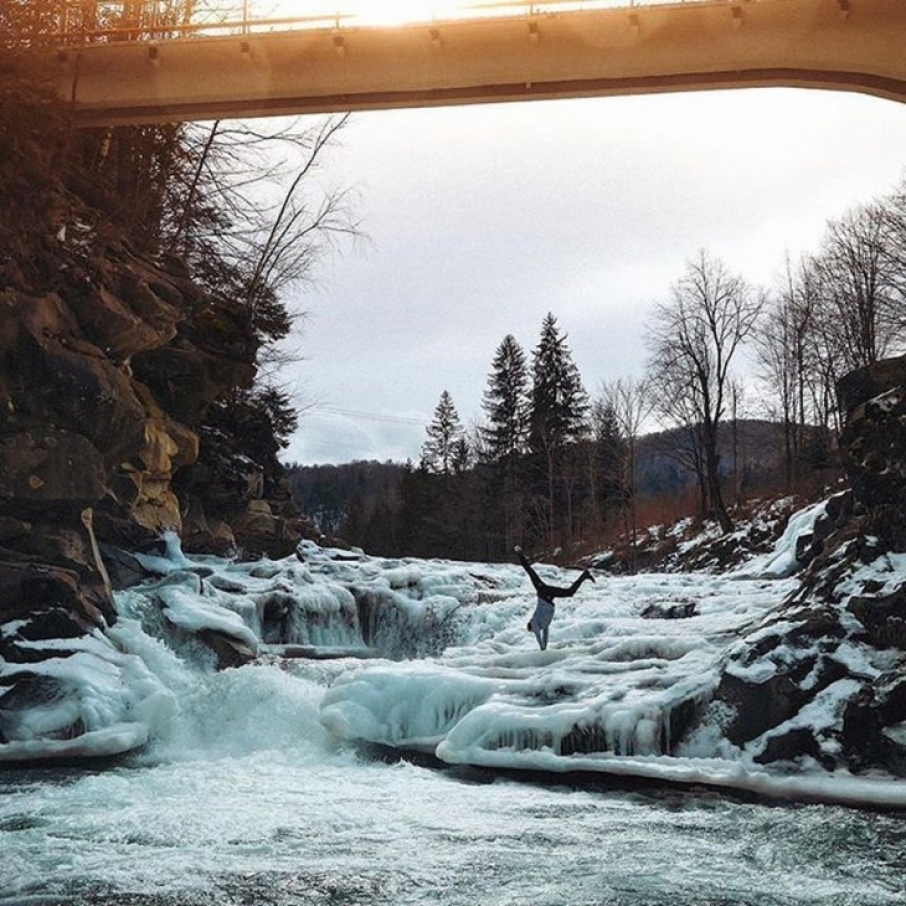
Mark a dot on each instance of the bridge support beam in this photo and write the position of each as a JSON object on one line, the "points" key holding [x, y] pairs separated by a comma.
{"points": [[852, 45]]}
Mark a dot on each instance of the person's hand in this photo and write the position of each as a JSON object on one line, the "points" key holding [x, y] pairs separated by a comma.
{"points": [[517, 549]]}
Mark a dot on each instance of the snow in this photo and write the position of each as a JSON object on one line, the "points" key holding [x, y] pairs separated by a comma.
{"points": [[378, 708], [433, 656], [187, 610], [782, 562]]}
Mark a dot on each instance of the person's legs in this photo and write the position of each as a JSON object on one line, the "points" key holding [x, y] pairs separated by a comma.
{"points": [[575, 586], [541, 620], [535, 578]]}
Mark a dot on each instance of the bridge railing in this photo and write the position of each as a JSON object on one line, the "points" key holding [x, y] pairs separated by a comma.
{"points": [[74, 22]]}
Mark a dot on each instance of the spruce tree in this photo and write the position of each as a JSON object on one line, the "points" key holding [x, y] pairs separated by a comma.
{"points": [[559, 402], [506, 404], [442, 447], [505, 442], [610, 454], [557, 425], [462, 456]]}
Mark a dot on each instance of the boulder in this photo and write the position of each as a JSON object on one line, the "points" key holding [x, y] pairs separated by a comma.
{"points": [[859, 386], [224, 479], [186, 379], [72, 386], [883, 615], [667, 610], [27, 699], [229, 651], [258, 532], [54, 625], [123, 567], [204, 534], [30, 586], [114, 327], [792, 745], [871, 738], [756, 707]]}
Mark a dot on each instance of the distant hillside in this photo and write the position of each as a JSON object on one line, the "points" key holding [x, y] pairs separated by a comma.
{"points": [[354, 500], [328, 493], [752, 450]]}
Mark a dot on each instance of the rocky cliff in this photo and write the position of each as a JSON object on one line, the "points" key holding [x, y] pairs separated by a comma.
{"points": [[128, 405], [110, 364], [824, 678]]}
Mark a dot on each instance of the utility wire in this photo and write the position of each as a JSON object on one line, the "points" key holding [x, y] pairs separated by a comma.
{"points": [[369, 416]]}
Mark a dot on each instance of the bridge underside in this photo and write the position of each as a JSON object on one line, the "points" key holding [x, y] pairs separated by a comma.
{"points": [[852, 45]]}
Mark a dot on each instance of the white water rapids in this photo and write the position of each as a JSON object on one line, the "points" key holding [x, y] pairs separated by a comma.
{"points": [[263, 809], [253, 788]]}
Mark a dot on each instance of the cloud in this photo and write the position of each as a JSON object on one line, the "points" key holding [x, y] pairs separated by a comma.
{"points": [[482, 219]]}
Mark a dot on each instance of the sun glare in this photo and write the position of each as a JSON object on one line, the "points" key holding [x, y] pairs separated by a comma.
{"points": [[372, 12], [393, 12]]}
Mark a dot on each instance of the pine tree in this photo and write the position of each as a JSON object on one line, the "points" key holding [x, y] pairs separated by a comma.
{"points": [[506, 404], [559, 401], [504, 442], [442, 447], [558, 423], [462, 456], [610, 452]]}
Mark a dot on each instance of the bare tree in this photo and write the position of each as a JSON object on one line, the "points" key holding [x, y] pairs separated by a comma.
{"points": [[630, 402], [693, 341], [789, 346], [894, 253], [858, 286], [303, 225], [251, 218]]}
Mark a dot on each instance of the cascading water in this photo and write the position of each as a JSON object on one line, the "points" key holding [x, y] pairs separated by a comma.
{"points": [[252, 788]]}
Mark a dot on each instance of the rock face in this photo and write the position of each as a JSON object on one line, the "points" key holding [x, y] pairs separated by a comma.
{"points": [[824, 678], [111, 363], [874, 446], [104, 384]]}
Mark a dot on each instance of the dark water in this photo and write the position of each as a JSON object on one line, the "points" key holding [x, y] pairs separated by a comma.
{"points": [[327, 827]]}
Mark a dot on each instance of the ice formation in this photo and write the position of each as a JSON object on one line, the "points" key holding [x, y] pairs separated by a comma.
{"points": [[434, 657]]}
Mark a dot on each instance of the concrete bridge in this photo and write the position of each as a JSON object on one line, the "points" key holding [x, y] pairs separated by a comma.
{"points": [[505, 52]]}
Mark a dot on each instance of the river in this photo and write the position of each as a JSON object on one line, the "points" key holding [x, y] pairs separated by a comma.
{"points": [[312, 825], [255, 785], [270, 814]]}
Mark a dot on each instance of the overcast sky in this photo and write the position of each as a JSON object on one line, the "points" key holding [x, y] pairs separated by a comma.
{"points": [[482, 219]]}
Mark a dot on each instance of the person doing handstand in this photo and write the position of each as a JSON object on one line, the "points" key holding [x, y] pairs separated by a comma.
{"points": [[544, 610]]}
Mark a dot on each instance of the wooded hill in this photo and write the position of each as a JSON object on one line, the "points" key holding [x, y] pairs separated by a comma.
{"points": [[364, 503]]}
